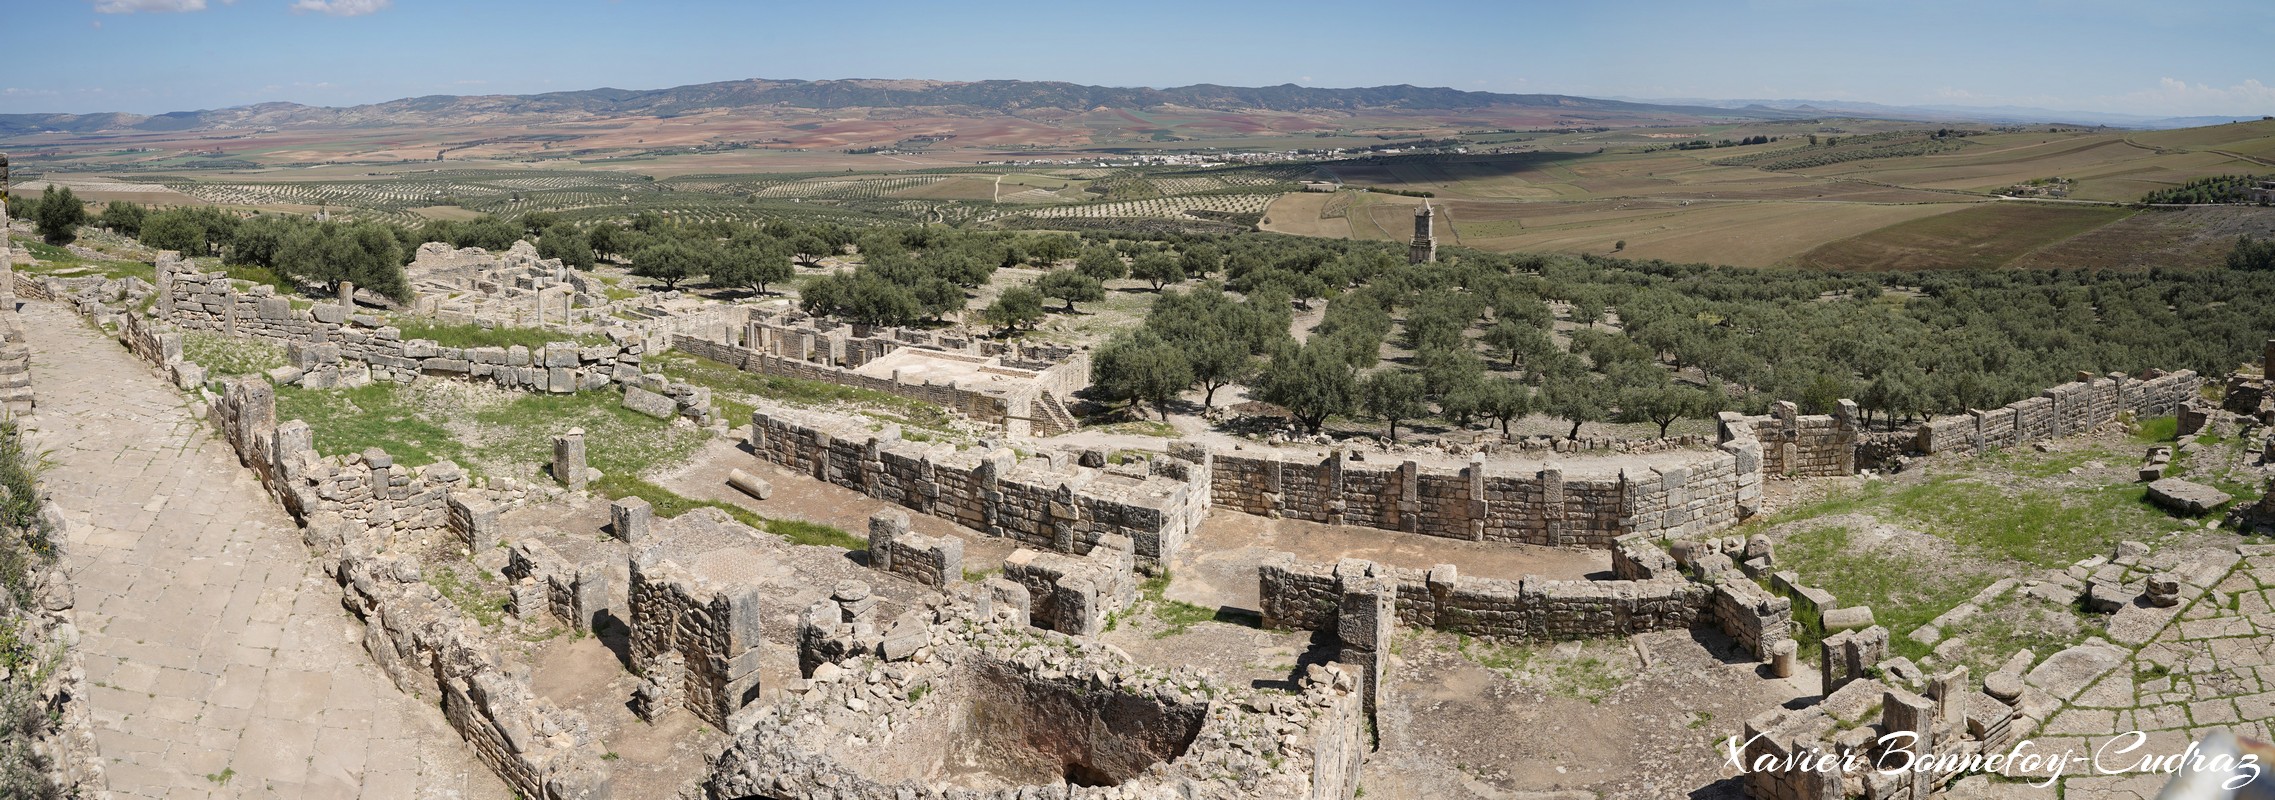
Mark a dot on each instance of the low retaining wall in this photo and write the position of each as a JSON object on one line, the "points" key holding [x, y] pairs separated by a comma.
{"points": [[1485, 504], [1045, 502], [1307, 596]]}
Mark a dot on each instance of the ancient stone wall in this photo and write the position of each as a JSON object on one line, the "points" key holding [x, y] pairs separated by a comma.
{"points": [[1799, 445], [1306, 596], [1046, 502], [432, 651], [545, 582], [329, 345], [1482, 503], [1001, 711], [934, 561], [693, 644], [2069, 409], [1075, 594], [1034, 412], [52, 680]]}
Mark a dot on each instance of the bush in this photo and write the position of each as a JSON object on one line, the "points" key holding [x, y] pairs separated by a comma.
{"points": [[59, 216], [2252, 254]]}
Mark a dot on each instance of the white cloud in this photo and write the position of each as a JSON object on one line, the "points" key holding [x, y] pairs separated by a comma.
{"points": [[132, 6], [2176, 96], [339, 8]]}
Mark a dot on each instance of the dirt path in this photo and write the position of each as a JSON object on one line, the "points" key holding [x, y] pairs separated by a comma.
{"points": [[220, 660]]}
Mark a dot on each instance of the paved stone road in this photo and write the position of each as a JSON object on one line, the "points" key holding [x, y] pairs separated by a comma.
{"points": [[221, 660]]}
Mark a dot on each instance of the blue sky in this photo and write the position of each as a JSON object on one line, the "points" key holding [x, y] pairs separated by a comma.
{"points": [[2171, 57]]}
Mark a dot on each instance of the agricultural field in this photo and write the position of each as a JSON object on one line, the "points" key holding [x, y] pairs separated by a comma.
{"points": [[1987, 236], [1839, 194], [1198, 206]]}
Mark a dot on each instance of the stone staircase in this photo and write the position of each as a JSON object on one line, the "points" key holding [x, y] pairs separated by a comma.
{"points": [[1050, 417]]}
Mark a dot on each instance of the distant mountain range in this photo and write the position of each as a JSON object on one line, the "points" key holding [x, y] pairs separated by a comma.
{"points": [[1999, 114], [977, 98], [1027, 99]]}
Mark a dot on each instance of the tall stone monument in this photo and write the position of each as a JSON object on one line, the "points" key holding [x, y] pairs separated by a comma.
{"points": [[1425, 245]]}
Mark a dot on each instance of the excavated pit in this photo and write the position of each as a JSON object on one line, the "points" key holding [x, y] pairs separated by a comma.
{"points": [[999, 725]]}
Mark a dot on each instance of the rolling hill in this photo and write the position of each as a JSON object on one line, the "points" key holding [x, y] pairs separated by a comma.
{"points": [[977, 98]]}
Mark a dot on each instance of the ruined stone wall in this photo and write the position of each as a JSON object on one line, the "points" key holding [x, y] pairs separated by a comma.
{"points": [[331, 345], [934, 561], [53, 684], [987, 408], [1305, 596], [1075, 594], [32, 287], [2066, 410], [1045, 502], [432, 651], [694, 644], [1482, 503], [1749, 614], [1799, 445], [545, 582], [1030, 709]]}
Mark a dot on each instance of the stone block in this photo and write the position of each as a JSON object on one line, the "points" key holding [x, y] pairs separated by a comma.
{"points": [[569, 459], [649, 403], [631, 519], [562, 354], [884, 527], [475, 521], [2186, 497]]}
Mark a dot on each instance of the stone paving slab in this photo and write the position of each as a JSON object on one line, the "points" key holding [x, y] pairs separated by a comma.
{"points": [[221, 661], [2209, 667]]}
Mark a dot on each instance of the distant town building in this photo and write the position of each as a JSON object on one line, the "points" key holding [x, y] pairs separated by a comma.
{"points": [[1425, 246]]}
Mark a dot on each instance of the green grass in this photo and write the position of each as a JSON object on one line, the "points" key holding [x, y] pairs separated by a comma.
{"points": [[2157, 430], [478, 336], [1583, 677], [222, 354], [486, 607], [726, 379], [51, 260], [2015, 623], [517, 431], [2033, 464], [353, 420], [2003, 526], [670, 504], [1904, 592], [1176, 616]]}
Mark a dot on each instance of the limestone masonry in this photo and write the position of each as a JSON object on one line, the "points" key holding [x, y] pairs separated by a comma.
{"points": [[981, 659]]}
